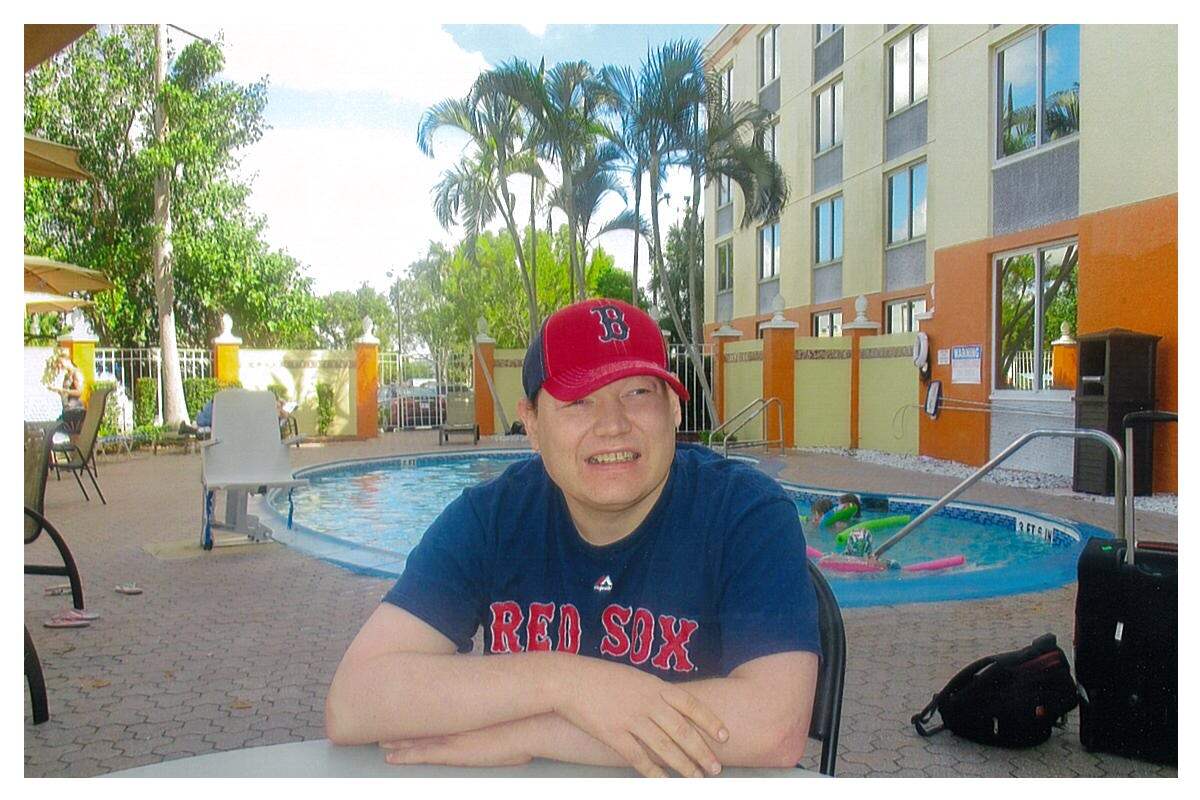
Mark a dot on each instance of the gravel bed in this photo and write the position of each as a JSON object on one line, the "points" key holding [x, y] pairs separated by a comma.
{"points": [[1059, 485]]}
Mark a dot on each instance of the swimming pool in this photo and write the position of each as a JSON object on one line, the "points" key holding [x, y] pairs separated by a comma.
{"points": [[367, 515]]}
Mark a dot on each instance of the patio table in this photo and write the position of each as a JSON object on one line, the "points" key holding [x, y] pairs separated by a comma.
{"points": [[318, 758]]}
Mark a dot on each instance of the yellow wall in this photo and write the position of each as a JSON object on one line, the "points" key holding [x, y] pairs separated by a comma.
{"points": [[1133, 71], [508, 384], [822, 392], [888, 418], [743, 384], [299, 371]]}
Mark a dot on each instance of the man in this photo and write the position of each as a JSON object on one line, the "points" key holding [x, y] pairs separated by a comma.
{"points": [[641, 604]]}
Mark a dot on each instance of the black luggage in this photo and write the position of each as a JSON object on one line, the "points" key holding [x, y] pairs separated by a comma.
{"points": [[1127, 641]]}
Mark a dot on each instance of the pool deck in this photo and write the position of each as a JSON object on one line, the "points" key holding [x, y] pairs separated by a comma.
{"points": [[236, 647]]}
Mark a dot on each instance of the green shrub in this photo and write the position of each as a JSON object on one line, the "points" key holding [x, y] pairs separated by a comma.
{"points": [[197, 392], [325, 409], [706, 437], [280, 391], [145, 401], [111, 423]]}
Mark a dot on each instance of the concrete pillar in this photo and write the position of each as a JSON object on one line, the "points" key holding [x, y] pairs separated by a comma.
{"points": [[779, 374], [860, 327], [80, 343], [1064, 359], [721, 336], [366, 382], [485, 375], [226, 348]]}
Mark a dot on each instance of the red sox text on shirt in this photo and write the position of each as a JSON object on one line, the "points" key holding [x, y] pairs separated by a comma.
{"points": [[629, 634]]}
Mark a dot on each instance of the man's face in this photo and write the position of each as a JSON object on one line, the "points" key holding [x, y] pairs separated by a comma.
{"points": [[610, 451]]}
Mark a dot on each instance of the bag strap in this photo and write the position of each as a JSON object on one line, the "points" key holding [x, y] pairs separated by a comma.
{"points": [[920, 720]]}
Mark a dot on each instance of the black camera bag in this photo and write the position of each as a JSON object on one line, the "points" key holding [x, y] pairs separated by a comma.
{"points": [[1009, 699]]}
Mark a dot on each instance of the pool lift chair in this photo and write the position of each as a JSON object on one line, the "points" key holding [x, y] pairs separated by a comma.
{"points": [[245, 456]]}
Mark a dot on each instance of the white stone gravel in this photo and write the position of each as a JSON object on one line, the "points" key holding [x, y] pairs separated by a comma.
{"points": [[1026, 479]]}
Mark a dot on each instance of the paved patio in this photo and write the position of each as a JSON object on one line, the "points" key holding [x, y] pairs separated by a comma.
{"points": [[235, 648]]}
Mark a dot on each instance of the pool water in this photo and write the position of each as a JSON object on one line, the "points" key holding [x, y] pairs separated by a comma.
{"points": [[385, 506]]}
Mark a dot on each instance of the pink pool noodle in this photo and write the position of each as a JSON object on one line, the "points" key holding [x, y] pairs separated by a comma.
{"points": [[938, 563], [814, 552], [850, 564]]}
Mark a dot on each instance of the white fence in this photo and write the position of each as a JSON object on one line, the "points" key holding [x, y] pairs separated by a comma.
{"points": [[413, 387], [1020, 373], [695, 413], [125, 365]]}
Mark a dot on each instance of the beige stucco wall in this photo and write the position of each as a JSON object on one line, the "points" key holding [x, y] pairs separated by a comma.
{"points": [[508, 384], [299, 371], [743, 384], [822, 416], [889, 391], [1129, 121]]}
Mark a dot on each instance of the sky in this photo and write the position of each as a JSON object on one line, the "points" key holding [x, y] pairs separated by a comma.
{"points": [[338, 175]]}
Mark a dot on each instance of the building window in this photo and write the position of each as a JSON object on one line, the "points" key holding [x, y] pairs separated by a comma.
{"points": [[1036, 292], [1038, 83], [724, 190], [725, 267], [727, 87], [768, 248], [827, 323], [767, 141], [829, 117], [768, 56], [825, 31], [906, 203], [908, 69], [900, 315], [827, 218]]}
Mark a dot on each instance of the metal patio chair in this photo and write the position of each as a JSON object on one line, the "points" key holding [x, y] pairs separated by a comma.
{"points": [[831, 677], [79, 454]]}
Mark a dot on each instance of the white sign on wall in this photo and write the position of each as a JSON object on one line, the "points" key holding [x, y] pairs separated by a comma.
{"points": [[943, 357], [966, 363]]}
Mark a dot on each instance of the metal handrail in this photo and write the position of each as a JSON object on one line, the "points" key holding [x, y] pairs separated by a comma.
{"points": [[763, 405], [730, 421], [1085, 433]]}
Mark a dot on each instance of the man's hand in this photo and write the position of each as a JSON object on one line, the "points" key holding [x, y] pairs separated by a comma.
{"points": [[643, 718], [488, 747]]}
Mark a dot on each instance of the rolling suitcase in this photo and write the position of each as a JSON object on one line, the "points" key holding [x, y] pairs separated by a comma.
{"points": [[1127, 639]]}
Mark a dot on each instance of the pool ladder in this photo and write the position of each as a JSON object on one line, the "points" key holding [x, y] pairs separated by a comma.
{"points": [[754, 410], [1119, 494]]}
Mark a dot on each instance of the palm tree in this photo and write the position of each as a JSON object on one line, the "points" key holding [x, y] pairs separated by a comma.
{"points": [[595, 178], [476, 189], [561, 104]]}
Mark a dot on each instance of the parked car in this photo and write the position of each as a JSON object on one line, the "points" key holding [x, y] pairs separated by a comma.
{"points": [[418, 407]]}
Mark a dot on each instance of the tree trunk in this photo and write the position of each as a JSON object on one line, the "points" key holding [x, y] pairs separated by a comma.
{"points": [[175, 408], [693, 271], [692, 351], [535, 321], [637, 212], [580, 291]]}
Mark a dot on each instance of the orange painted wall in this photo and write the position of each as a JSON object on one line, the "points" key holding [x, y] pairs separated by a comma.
{"points": [[779, 380], [1129, 278], [366, 384], [485, 410]]}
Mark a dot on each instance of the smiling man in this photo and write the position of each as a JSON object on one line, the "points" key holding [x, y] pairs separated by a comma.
{"points": [[641, 603]]}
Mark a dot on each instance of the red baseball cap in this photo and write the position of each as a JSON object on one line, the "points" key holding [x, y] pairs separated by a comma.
{"points": [[592, 343]]}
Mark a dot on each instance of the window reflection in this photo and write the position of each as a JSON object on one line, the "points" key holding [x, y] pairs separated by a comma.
{"points": [[1018, 96], [1038, 292], [918, 200], [900, 74], [898, 202], [920, 64], [1060, 77]]}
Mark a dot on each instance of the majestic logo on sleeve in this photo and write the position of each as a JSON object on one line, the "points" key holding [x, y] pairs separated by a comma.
{"points": [[604, 584], [612, 321], [632, 635]]}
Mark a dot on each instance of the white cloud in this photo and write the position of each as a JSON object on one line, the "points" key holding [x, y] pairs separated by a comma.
{"points": [[420, 63], [536, 29]]}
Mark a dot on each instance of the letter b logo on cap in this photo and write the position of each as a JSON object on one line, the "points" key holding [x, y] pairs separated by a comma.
{"points": [[612, 321]]}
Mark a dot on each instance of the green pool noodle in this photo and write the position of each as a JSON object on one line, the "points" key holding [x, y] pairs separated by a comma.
{"points": [[873, 525]]}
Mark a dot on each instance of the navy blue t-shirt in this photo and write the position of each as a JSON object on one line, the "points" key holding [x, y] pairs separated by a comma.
{"points": [[716, 575]]}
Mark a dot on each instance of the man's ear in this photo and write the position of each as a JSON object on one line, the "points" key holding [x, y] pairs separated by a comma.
{"points": [[528, 415], [678, 410]]}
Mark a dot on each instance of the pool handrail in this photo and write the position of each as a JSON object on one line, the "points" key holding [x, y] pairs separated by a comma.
{"points": [[1021, 441], [758, 405]]}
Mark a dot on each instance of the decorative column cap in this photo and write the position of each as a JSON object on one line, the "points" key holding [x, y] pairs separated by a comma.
{"points": [[226, 336], [861, 323], [368, 336], [927, 313], [1065, 329], [80, 331], [777, 320], [726, 331], [482, 337]]}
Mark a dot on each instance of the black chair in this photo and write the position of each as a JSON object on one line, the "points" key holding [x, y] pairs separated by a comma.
{"points": [[831, 677], [38, 443], [80, 452], [37, 682]]}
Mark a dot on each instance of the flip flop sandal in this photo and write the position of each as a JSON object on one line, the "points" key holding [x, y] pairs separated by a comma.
{"points": [[62, 588], [128, 588], [76, 613], [65, 621]]}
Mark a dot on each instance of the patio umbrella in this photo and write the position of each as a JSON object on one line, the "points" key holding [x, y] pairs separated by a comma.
{"points": [[43, 303], [43, 41], [55, 277], [46, 159]]}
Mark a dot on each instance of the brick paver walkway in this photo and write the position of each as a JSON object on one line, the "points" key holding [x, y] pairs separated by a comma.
{"points": [[235, 648]]}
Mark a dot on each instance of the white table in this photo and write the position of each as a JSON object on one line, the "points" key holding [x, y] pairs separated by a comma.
{"points": [[320, 759]]}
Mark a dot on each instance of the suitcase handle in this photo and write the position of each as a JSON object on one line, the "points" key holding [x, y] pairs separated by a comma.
{"points": [[1139, 417], [1128, 422]]}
